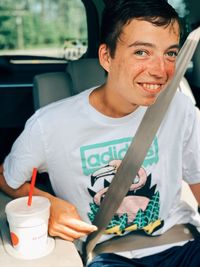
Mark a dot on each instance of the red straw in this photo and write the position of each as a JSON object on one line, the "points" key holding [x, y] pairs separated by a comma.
{"points": [[32, 186]]}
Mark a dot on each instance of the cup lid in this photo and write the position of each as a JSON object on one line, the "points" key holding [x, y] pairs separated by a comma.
{"points": [[19, 207]]}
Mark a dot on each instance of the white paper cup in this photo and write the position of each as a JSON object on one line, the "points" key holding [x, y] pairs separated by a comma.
{"points": [[29, 225]]}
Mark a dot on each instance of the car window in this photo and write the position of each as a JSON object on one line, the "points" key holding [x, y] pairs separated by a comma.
{"points": [[182, 8], [43, 28], [188, 12]]}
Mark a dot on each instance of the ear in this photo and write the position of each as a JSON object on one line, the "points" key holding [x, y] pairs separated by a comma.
{"points": [[104, 57]]}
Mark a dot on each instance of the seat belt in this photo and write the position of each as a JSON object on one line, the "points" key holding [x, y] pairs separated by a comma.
{"points": [[137, 151], [140, 240]]}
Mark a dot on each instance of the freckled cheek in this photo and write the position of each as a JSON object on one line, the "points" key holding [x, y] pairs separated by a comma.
{"points": [[170, 70], [137, 70]]}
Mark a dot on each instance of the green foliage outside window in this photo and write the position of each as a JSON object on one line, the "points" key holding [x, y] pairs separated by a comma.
{"points": [[34, 23]]}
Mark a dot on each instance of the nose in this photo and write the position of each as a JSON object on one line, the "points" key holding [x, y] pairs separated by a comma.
{"points": [[158, 68]]}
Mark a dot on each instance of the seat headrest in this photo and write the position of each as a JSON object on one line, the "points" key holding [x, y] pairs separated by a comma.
{"points": [[86, 73]]}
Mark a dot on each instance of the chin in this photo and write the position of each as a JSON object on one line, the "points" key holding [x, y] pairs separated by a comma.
{"points": [[148, 103]]}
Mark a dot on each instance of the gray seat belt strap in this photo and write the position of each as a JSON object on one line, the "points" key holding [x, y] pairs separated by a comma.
{"points": [[139, 240], [140, 145]]}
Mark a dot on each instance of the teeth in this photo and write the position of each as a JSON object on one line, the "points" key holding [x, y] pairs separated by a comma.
{"points": [[151, 86]]}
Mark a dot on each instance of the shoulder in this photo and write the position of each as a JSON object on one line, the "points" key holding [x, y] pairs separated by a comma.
{"points": [[65, 108], [182, 111], [182, 103], [57, 113]]}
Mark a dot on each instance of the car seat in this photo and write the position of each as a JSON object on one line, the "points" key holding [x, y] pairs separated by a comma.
{"points": [[80, 75]]}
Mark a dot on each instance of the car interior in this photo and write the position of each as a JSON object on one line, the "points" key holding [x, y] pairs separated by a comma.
{"points": [[29, 82]]}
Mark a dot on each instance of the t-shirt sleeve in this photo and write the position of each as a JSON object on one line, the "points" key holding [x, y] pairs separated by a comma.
{"points": [[191, 148], [27, 152]]}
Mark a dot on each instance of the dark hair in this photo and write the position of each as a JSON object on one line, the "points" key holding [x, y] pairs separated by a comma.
{"points": [[118, 13]]}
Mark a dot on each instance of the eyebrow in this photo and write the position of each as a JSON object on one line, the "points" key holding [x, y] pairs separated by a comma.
{"points": [[138, 43]]}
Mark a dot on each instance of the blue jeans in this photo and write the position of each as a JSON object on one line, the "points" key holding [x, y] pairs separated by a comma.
{"points": [[187, 255]]}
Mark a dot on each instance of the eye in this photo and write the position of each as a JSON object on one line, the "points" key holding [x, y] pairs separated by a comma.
{"points": [[141, 53], [172, 54]]}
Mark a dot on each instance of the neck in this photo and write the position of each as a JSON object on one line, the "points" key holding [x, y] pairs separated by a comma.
{"points": [[109, 104]]}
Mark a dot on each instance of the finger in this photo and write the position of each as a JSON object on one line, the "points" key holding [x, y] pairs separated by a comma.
{"points": [[80, 226], [62, 236], [65, 232]]}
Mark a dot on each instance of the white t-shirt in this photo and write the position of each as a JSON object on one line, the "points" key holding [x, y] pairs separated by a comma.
{"points": [[81, 150]]}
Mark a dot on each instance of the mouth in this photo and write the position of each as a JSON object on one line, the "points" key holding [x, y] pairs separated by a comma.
{"points": [[151, 88]]}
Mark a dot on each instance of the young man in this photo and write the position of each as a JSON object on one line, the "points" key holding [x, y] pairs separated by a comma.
{"points": [[139, 46]]}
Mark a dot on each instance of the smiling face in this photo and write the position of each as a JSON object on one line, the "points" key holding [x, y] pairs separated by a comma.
{"points": [[143, 63]]}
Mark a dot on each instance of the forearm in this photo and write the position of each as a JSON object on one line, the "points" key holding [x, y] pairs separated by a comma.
{"points": [[21, 191], [64, 220]]}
